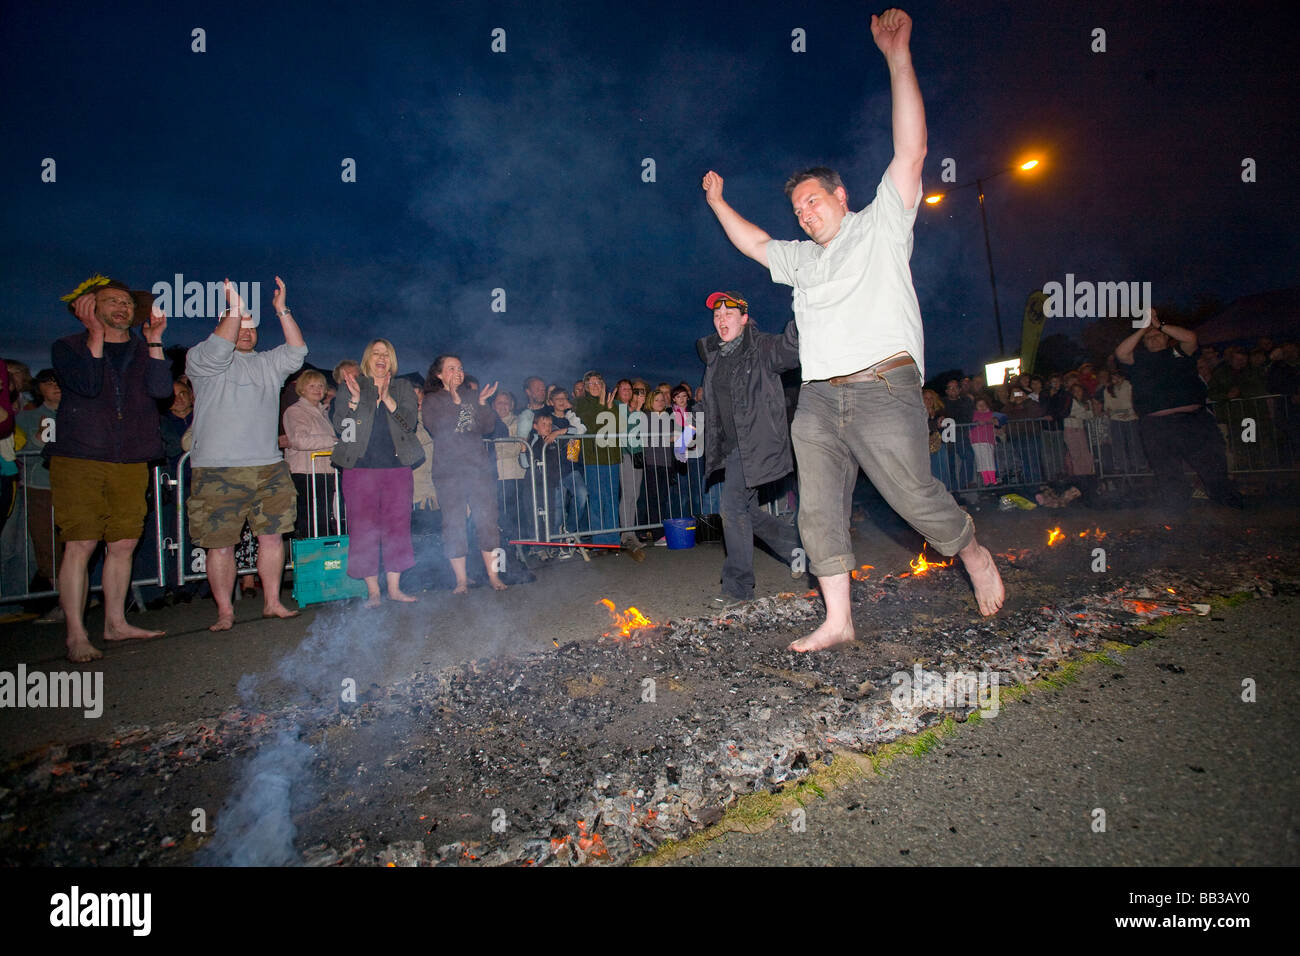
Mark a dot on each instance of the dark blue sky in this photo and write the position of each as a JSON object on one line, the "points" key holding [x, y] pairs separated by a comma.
{"points": [[522, 170]]}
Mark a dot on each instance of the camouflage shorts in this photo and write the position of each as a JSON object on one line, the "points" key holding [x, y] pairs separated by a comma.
{"points": [[222, 499]]}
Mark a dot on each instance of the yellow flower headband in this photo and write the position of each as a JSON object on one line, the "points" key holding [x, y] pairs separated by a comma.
{"points": [[94, 282]]}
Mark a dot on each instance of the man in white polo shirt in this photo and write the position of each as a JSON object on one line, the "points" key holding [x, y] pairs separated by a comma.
{"points": [[862, 352]]}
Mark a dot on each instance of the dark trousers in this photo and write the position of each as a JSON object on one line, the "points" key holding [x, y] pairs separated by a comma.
{"points": [[743, 519], [1192, 438], [324, 506]]}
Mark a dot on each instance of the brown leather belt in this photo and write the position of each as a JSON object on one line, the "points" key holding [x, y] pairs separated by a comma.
{"points": [[872, 373]]}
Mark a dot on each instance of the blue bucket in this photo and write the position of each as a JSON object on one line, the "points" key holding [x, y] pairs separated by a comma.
{"points": [[680, 533]]}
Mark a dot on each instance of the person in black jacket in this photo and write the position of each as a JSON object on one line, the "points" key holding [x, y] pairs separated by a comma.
{"points": [[746, 434], [108, 433]]}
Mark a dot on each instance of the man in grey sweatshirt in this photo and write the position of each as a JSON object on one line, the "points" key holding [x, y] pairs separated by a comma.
{"points": [[239, 470]]}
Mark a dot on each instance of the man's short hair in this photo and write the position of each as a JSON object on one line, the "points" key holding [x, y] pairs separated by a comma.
{"points": [[533, 378], [828, 178], [539, 415], [338, 369]]}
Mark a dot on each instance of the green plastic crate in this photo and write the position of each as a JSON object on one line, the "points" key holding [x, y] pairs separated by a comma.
{"points": [[320, 571]]}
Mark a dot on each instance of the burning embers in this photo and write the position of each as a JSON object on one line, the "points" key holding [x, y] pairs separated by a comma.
{"points": [[921, 565], [1055, 535], [630, 623]]}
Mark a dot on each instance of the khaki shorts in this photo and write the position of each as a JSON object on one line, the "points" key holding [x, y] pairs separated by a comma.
{"points": [[222, 499], [98, 500]]}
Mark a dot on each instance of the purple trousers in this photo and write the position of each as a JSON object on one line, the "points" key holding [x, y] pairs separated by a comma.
{"points": [[378, 503]]}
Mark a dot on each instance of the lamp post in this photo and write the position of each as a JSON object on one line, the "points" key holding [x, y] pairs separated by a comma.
{"points": [[988, 249]]}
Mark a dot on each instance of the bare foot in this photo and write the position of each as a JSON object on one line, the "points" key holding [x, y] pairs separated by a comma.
{"points": [[373, 601], [80, 650], [278, 610], [496, 582], [461, 588], [401, 596], [225, 621], [984, 577], [128, 632], [828, 635]]}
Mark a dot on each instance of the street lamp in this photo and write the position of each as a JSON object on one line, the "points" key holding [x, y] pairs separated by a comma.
{"points": [[988, 250]]}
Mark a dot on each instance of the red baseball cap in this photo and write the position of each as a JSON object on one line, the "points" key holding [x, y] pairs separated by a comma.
{"points": [[730, 299]]}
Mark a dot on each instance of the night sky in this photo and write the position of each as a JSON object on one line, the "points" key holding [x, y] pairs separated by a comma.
{"points": [[523, 170]]}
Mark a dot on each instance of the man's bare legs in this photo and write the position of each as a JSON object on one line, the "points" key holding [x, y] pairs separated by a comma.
{"points": [[221, 578], [270, 568], [984, 577], [838, 626], [74, 583], [117, 580]]}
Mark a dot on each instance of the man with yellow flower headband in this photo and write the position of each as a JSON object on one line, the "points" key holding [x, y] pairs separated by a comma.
{"points": [[107, 433]]}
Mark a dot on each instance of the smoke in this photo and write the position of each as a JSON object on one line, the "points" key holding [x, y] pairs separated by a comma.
{"points": [[256, 828], [368, 647]]}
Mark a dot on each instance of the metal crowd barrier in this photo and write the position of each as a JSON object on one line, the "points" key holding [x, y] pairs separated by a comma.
{"points": [[587, 501], [1261, 434], [17, 547]]}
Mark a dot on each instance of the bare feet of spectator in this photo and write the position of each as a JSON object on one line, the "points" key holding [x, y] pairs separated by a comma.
{"points": [[225, 621], [399, 595], [373, 601], [984, 577], [128, 632], [462, 587], [496, 582], [828, 635], [80, 650], [278, 610]]}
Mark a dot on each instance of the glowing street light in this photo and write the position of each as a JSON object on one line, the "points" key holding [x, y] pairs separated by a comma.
{"points": [[935, 198]]}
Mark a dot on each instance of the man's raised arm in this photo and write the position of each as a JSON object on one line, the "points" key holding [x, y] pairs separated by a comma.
{"points": [[744, 235], [892, 31]]}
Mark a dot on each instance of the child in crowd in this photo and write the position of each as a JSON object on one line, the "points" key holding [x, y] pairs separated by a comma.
{"points": [[982, 436]]}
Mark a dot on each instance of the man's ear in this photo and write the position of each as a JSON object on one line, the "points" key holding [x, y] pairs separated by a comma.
{"points": [[842, 195]]}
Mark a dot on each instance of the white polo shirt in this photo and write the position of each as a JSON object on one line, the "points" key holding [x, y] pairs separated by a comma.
{"points": [[853, 300]]}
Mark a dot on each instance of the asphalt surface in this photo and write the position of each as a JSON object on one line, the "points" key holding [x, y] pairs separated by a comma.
{"points": [[1186, 772]]}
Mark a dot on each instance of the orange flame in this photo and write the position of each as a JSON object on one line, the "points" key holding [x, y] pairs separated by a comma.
{"points": [[627, 622], [862, 573], [1054, 536], [1142, 607], [921, 565]]}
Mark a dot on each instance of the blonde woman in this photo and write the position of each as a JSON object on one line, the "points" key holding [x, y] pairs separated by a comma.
{"points": [[379, 411]]}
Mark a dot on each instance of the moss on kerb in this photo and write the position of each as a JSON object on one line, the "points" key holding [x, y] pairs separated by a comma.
{"points": [[756, 812]]}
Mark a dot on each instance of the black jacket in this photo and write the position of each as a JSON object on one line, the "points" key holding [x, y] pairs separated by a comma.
{"points": [[757, 402], [105, 416]]}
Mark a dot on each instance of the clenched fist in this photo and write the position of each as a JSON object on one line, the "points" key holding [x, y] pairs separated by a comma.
{"points": [[892, 31], [712, 185]]}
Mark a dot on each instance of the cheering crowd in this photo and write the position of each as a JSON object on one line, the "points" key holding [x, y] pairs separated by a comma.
{"points": [[394, 445]]}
